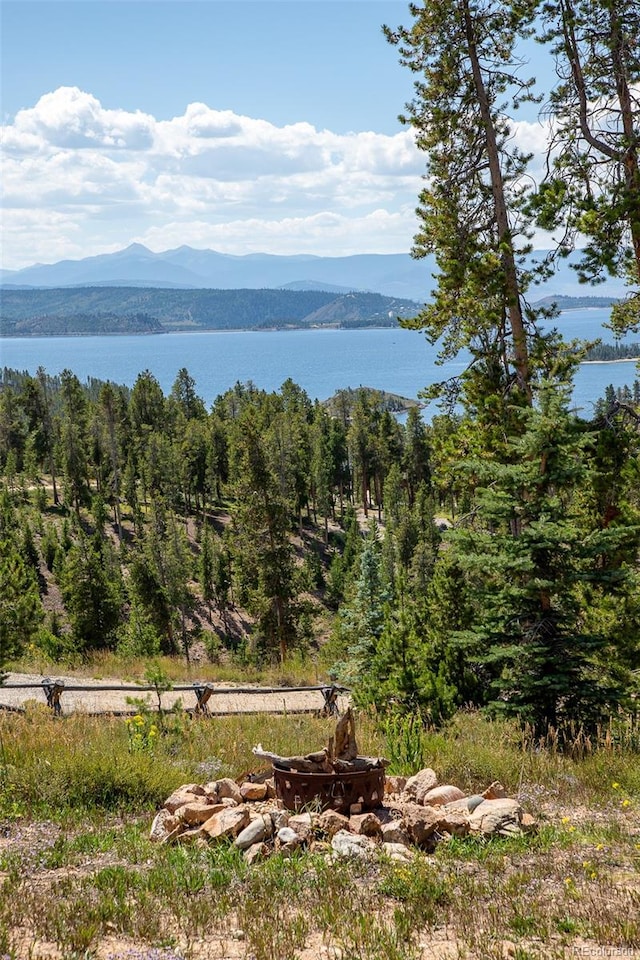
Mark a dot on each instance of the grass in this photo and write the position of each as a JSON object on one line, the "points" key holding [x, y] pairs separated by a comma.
{"points": [[105, 664], [80, 875]]}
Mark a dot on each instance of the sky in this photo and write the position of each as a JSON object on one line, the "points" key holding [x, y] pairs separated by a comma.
{"points": [[241, 126]]}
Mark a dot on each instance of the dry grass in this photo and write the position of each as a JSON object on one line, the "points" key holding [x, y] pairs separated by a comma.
{"points": [[80, 878]]}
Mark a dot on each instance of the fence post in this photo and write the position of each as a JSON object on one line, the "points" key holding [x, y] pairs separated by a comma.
{"points": [[202, 691], [53, 690]]}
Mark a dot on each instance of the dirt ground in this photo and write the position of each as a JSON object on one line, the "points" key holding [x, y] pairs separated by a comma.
{"points": [[99, 698]]}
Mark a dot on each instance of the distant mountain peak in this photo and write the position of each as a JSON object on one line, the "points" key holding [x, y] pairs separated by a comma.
{"points": [[140, 248], [393, 275]]}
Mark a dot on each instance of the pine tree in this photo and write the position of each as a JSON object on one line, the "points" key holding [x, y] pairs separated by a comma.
{"points": [[527, 556], [593, 185], [472, 210], [263, 553], [21, 612]]}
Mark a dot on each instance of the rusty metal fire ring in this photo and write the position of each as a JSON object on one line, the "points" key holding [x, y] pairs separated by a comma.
{"points": [[329, 791]]}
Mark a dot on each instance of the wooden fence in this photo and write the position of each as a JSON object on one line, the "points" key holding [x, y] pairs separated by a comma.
{"points": [[205, 694]]}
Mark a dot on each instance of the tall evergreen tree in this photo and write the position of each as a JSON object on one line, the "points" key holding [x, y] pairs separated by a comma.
{"points": [[264, 556], [593, 185], [528, 555], [471, 212]]}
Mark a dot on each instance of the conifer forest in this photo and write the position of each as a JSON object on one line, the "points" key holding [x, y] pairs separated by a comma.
{"points": [[486, 556]]}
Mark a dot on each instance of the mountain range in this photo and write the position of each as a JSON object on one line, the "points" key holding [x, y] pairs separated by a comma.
{"points": [[395, 275]]}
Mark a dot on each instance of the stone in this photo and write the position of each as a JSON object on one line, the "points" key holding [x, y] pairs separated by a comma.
{"points": [[398, 852], [355, 809], [319, 846], [474, 801], [394, 785], [394, 832], [181, 796], [302, 823], [496, 817], [227, 823], [454, 822], [528, 823], [366, 824], [420, 822], [419, 785], [228, 788], [279, 819], [287, 841], [253, 791], [388, 814], [270, 784], [256, 832], [164, 823], [196, 813], [287, 835], [192, 837], [258, 851], [495, 791], [330, 821], [345, 844], [441, 795]]}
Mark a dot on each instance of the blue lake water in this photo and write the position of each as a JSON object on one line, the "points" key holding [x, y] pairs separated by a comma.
{"points": [[320, 361]]}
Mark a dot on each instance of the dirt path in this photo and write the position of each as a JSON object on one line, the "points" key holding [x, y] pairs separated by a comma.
{"points": [[102, 698]]}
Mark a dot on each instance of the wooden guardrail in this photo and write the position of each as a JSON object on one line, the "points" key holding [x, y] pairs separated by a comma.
{"points": [[204, 692]]}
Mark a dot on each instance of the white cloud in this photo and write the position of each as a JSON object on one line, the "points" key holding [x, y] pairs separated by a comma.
{"points": [[324, 234], [81, 179]]}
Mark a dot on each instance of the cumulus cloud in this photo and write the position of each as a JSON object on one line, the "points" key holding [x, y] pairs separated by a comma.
{"points": [[80, 179]]}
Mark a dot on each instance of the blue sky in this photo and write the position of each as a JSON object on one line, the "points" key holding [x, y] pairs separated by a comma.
{"points": [[268, 125]]}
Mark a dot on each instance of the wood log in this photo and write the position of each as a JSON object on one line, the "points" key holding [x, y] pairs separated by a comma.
{"points": [[313, 763], [359, 763], [346, 747]]}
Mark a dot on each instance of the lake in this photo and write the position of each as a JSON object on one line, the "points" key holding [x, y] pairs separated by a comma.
{"points": [[320, 361]]}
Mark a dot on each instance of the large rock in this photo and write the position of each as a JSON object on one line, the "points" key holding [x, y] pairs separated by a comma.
{"points": [[195, 813], [329, 822], [188, 793], [253, 791], [345, 844], [502, 816], [394, 832], [164, 823], [394, 785], [228, 822], [302, 823], [441, 795], [420, 822], [453, 822], [256, 832], [419, 785], [366, 824], [228, 788]]}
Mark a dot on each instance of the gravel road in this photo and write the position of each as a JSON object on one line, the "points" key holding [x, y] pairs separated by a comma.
{"points": [[102, 698]]}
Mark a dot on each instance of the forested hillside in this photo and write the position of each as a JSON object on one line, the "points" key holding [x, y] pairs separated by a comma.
{"points": [[144, 523], [53, 312]]}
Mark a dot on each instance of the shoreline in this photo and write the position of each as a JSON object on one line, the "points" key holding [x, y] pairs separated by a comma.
{"points": [[621, 360]]}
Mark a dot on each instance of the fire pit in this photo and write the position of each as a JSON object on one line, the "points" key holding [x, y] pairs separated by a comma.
{"points": [[334, 778], [329, 791]]}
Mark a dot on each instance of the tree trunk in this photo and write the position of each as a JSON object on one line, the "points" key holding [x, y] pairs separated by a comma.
{"points": [[514, 305]]}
